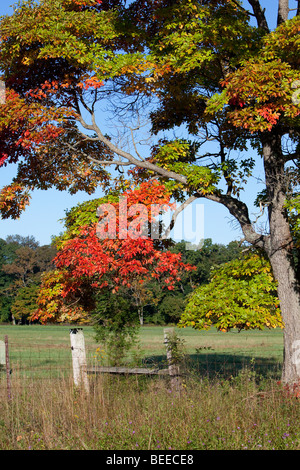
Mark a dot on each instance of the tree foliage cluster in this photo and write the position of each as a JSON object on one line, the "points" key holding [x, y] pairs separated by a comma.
{"points": [[241, 294], [124, 259], [22, 263]]}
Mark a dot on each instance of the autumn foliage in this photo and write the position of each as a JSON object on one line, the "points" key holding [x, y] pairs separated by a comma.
{"points": [[87, 264], [214, 69]]}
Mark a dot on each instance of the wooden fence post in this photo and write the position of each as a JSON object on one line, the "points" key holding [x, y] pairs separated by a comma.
{"points": [[174, 370], [8, 370], [2, 355], [79, 358]]}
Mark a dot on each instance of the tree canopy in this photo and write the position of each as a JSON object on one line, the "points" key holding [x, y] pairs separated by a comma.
{"points": [[220, 89]]}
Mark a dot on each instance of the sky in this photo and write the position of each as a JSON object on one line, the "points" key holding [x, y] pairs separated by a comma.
{"points": [[42, 218]]}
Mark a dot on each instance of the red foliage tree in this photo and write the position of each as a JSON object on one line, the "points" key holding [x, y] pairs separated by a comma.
{"points": [[130, 262]]}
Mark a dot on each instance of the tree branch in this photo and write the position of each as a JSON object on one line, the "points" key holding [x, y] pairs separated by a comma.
{"points": [[236, 208], [130, 158], [134, 144], [242, 8], [259, 14], [239, 211], [175, 215]]}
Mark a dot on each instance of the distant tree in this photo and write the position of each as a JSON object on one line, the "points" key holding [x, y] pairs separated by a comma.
{"points": [[25, 303], [44, 257], [6, 254], [207, 256], [19, 241], [22, 261], [23, 266], [171, 307]]}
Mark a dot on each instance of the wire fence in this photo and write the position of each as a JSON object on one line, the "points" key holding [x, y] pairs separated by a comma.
{"points": [[51, 359]]}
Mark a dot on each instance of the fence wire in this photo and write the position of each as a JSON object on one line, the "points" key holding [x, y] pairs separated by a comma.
{"points": [[52, 359]]}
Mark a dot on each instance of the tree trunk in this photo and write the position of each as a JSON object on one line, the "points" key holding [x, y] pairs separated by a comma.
{"points": [[141, 315], [283, 11], [279, 250], [289, 297]]}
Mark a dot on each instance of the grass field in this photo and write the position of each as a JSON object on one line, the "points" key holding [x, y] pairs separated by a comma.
{"points": [[246, 410], [37, 349]]}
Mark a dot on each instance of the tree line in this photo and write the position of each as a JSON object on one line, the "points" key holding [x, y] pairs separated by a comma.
{"points": [[23, 262]]}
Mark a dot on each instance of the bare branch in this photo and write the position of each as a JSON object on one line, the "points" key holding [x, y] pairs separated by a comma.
{"points": [[134, 144], [291, 157], [175, 215], [95, 160], [109, 162], [259, 14], [130, 158]]}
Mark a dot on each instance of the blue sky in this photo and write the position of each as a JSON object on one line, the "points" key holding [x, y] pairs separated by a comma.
{"points": [[41, 218]]}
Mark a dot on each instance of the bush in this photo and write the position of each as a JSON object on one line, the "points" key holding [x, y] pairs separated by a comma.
{"points": [[116, 325]]}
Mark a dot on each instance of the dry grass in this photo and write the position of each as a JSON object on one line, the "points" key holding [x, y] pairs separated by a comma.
{"points": [[137, 413], [223, 405]]}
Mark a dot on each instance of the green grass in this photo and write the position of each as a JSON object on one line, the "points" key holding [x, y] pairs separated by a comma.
{"points": [[251, 343], [45, 350], [213, 352]]}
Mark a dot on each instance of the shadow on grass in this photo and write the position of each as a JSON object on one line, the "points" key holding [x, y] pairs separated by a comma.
{"points": [[218, 365]]}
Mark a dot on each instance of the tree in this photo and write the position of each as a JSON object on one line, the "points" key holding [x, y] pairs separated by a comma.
{"points": [[25, 303], [241, 294], [23, 266], [202, 65], [89, 265], [168, 306], [23, 261], [6, 254]]}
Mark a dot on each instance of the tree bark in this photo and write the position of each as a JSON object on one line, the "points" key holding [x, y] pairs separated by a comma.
{"points": [[141, 315], [259, 14], [289, 297], [283, 11], [280, 255]]}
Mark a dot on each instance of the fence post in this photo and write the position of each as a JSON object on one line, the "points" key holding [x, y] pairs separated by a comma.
{"points": [[174, 370], [8, 370], [2, 354], [79, 358]]}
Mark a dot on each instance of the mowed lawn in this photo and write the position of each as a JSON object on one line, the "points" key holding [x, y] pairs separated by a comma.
{"points": [[37, 349]]}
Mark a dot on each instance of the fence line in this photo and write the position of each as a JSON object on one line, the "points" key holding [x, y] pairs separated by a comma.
{"points": [[51, 358], [80, 369]]}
